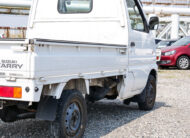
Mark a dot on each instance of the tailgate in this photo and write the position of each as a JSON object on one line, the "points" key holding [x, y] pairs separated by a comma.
{"points": [[14, 58]]}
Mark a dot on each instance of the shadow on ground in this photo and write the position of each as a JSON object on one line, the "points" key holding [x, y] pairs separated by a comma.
{"points": [[106, 116], [169, 68], [103, 118]]}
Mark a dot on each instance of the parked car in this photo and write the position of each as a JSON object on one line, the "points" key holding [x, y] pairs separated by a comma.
{"points": [[76, 52], [176, 55], [162, 44], [165, 43]]}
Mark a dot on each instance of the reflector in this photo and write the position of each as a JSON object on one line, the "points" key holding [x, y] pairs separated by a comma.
{"points": [[17, 92]]}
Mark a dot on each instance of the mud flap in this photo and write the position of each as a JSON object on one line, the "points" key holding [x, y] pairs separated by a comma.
{"points": [[47, 109]]}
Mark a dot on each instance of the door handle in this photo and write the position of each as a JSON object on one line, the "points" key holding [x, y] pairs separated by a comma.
{"points": [[132, 44]]}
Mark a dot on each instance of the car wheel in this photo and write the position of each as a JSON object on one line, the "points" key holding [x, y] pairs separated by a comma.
{"points": [[127, 101], [150, 95], [183, 62], [71, 116]]}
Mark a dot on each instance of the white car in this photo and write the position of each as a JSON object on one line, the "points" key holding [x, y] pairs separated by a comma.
{"points": [[77, 51]]}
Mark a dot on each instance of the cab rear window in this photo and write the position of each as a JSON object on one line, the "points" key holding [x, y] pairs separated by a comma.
{"points": [[74, 6]]}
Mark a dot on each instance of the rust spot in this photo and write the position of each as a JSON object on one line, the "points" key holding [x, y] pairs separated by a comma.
{"points": [[13, 32]]}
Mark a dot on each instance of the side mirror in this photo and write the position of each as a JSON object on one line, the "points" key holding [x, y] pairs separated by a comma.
{"points": [[153, 23]]}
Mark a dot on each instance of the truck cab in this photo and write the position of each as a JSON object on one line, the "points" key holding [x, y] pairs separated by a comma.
{"points": [[75, 52]]}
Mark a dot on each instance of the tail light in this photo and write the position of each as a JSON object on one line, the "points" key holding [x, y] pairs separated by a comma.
{"points": [[10, 92], [157, 58]]}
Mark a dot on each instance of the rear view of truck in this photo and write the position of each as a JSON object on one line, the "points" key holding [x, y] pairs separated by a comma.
{"points": [[16, 84]]}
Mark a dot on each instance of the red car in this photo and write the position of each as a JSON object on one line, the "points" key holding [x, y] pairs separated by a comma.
{"points": [[176, 55]]}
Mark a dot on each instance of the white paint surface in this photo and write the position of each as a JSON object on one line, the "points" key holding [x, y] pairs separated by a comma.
{"points": [[13, 20], [108, 26]]}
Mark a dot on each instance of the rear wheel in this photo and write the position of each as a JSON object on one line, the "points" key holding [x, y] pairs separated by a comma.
{"points": [[71, 116], [150, 95], [183, 62], [127, 101]]}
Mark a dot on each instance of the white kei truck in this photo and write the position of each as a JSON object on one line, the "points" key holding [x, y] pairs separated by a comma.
{"points": [[76, 52]]}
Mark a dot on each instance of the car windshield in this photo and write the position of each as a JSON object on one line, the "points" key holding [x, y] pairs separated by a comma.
{"points": [[172, 42], [182, 42], [163, 44]]}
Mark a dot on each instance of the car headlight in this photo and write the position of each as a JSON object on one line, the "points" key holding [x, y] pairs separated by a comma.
{"points": [[170, 53]]}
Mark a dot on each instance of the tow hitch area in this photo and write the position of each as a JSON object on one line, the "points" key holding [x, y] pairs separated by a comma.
{"points": [[11, 111]]}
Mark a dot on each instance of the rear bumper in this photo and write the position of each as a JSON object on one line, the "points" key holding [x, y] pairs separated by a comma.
{"points": [[31, 92], [167, 61]]}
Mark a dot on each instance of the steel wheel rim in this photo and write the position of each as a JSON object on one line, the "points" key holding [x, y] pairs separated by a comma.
{"points": [[73, 119], [183, 63]]}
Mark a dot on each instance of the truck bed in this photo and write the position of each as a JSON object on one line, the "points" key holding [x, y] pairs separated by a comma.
{"points": [[57, 58], [43, 62], [12, 41]]}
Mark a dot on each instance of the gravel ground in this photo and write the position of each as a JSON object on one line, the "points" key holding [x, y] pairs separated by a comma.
{"points": [[111, 119]]}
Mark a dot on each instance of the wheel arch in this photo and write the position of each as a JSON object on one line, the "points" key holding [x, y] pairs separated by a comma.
{"points": [[142, 96], [52, 95], [181, 56], [154, 73], [81, 85], [57, 89]]}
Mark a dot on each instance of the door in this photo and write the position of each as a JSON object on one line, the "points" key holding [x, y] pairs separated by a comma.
{"points": [[141, 45]]}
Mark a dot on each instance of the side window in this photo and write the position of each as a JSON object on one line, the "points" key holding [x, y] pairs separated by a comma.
{"points": [[74, 6], [135, 16]]}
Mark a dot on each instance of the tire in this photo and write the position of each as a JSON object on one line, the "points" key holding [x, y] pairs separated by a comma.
{"points": [[127, 101], [183, 62], [150, 95], [9, 114], [71, 116]]}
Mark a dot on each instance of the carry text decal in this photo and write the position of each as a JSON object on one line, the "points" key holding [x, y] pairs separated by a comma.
{"points": [[10, 64]]}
